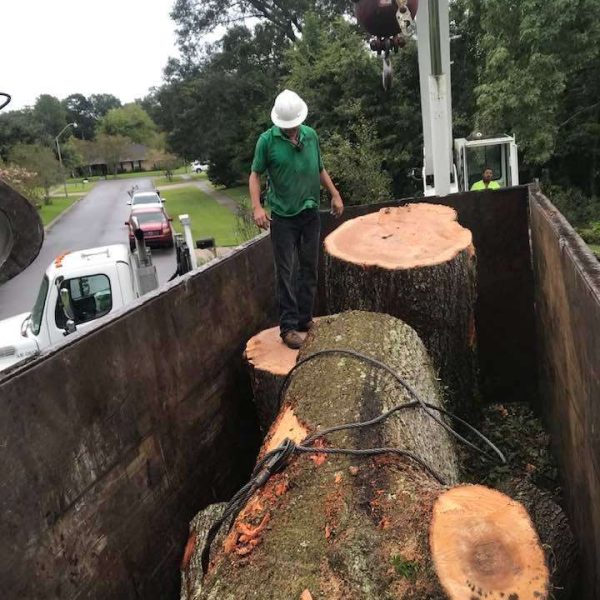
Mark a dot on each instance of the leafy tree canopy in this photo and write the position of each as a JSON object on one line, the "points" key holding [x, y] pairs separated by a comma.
{"points": [[80, 110], [50, 115], [39, 160], [130, 121]]}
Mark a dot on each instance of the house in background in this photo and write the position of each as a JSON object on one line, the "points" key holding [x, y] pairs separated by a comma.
{"points": [[136, 157]]}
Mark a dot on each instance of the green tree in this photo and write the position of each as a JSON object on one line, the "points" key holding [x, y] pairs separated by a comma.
{"points": [[18, 126], [89, 152], [80, 110], [354, 163], [195, 18], [41, 161], [130, 121], [340, 79], [165, 161], [51, 116], [102, 103], [112, 148], [71, 157], [217, 113], [532, 49]]}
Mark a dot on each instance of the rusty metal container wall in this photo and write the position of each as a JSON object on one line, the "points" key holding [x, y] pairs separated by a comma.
{"points": [[504, 310], [113, 442], [567, 286], [103, 465]]}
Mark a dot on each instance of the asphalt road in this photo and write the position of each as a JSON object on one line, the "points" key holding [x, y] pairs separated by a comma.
{"points": [[97, 220]]}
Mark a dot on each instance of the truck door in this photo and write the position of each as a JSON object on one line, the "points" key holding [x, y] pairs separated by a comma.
{"points": [[513, 175], [90, 297], [126, 282]]}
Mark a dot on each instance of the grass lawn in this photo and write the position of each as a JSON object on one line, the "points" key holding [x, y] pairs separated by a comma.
{"points": [[75, 186], [209, 218], [134, 175], [51, 211], [239, 193], [161, 181]]}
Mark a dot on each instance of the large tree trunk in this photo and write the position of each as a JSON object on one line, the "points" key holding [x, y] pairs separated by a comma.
{"points": [[416, 263], [347, 527]]}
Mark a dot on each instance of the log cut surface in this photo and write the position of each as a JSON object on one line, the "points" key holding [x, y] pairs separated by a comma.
{"points": [[484, 546], [416, 235], [267, 352], [416, 263]]}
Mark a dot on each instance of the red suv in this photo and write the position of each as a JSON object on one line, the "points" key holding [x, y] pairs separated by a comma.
{"points": [[155, 224]]}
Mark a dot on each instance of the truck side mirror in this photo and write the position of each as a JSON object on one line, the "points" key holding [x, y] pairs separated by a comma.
{"points": [[70, 327], [65, 301]]}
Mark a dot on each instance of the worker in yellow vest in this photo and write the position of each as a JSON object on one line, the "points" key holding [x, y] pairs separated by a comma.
{"points": [[487, 183]]}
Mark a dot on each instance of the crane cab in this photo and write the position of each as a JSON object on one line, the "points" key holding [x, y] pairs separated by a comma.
{"points": [[499, 153]]}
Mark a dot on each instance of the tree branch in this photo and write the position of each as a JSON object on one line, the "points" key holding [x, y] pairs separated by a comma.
{"points": [[577, 113]]}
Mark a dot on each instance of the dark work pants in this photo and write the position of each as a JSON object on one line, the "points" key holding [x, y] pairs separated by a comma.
{"points": [[296, 250]]}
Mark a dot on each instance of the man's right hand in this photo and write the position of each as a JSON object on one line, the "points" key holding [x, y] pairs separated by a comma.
{"points": [[261, 218]]}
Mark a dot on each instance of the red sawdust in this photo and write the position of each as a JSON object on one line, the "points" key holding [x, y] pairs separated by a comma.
{"points": [[318, 459], [189, 550]]}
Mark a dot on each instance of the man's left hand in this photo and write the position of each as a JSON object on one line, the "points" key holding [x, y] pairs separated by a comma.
{"points": [[337, 205]]}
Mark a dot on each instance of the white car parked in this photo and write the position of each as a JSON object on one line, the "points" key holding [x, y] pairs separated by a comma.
{"points": [[198, 167], [145, 199]]}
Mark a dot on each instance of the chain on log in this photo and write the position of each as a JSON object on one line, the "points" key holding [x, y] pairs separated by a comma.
{"points": [[337, 527]]}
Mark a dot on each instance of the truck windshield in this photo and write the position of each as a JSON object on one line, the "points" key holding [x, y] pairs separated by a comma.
{"points": [[481, 157], [38, 307], [146, 199]]}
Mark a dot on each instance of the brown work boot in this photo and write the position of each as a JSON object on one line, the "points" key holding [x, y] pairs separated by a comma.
{"points": [[306, 326], [292, 339]]}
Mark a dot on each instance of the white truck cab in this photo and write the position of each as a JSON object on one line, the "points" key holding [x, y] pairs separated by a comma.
{"points": [[77, 289], [473, 155]]}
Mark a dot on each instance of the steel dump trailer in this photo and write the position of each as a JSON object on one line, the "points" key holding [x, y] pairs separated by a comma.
{"points": [[111, 442]]}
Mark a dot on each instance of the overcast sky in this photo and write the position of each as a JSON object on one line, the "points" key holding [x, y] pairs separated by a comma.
{"points": [[61, 47]]}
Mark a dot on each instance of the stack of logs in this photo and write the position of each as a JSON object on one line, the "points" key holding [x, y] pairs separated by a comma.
{"points": [[348, 527]]}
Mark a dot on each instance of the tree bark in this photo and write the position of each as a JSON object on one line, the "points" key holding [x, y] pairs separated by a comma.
{"points": [[418, 264], [269, 361], [346, 527]]}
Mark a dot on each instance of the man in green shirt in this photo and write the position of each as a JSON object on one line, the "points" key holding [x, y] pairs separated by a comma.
{"points": [[487, 183], [290, 155]]}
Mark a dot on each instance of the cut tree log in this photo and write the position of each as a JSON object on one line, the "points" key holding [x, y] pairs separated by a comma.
{"points": [[484, 546], [269, 361], [417, 263], [335, 527]]}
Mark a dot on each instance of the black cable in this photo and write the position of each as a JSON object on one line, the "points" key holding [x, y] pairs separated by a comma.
{"points": [[5, 102], [275, 460], [428, 408]]}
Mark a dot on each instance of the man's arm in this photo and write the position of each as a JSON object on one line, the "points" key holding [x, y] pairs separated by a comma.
{"points": [[261, 218], [259, 165], [337, 205]]}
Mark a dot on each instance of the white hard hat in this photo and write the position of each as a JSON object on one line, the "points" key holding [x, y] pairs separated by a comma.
{"points": [[289, 110]]}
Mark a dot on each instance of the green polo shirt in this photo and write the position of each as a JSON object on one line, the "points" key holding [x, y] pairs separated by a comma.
{"points": [[479, 186], [294, 172]]}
